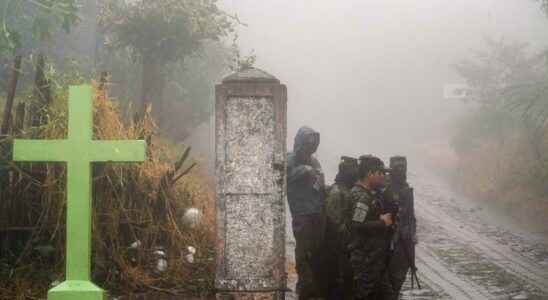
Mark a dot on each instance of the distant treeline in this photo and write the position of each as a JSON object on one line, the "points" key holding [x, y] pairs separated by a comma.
{"points": [[502, 141]]}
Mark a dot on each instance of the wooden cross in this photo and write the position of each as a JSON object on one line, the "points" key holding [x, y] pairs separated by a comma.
{"points": [[79, 150]]}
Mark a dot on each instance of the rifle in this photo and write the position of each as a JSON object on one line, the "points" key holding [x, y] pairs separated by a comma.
{"points": [[408, 244]]}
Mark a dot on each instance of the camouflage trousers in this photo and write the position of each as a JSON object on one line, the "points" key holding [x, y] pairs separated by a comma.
{"points": [[345, 283], [399, 265], [337, 269], [308, 238], [371, 278]]}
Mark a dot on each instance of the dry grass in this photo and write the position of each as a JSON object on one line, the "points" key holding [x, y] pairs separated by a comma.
{"points": [[131, 202], [499, 175]]}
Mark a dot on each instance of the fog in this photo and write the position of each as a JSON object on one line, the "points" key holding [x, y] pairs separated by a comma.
{"points": [[369, 74]]}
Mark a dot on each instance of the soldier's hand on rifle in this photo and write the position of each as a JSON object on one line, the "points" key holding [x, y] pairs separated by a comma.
{"points": [[387, 219]]}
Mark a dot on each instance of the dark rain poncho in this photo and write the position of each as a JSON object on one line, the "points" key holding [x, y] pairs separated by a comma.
{"points": [[304, 193]]}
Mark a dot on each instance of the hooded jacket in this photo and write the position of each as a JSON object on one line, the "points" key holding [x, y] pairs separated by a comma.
{"points": [[305, 179]]}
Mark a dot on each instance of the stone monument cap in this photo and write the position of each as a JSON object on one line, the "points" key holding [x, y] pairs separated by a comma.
{"points": [[251, 75]]}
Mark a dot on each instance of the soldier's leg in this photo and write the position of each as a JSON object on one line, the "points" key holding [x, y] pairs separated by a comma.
{"points": [[304, 248], [385, 289], [330, 265], [346, 284], [367, 266]]}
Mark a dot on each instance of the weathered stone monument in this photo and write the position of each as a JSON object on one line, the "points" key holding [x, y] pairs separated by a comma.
{"points": [[79, 150], [250, 132]]}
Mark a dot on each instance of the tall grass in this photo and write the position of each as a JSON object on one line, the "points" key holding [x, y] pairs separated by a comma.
{"points": [[137, 215]]}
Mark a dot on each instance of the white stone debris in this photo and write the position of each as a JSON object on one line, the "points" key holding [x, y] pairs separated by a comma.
{"points": [[190, 256], [55, 283], [192, 217], [135, 244], [161, 261], [521, 296], [161, 265]]}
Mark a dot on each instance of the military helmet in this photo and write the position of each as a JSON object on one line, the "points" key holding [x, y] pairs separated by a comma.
{"points": [[369, 163], [347, 160], [348, 170]]}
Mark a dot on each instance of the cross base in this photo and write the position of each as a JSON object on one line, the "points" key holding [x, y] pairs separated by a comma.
{"points": [[76, 290]]}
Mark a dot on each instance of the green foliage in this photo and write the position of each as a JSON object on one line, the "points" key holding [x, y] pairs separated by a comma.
{"points": [[499, 68], [505, 75], [501, 77], [504, 141], [170, 38], [165, 30], [28, 22], [34, 258], [188, 92]]}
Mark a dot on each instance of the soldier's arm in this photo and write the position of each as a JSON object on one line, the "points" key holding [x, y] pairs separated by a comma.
{"points": [[295, 172], [318, 169], [333, 205], [362, 208], [298, 173]]}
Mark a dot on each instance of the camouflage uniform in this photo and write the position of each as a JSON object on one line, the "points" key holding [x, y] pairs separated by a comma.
{"points": [[369, 244], [305, 195], [400, 192], [338, 209]]}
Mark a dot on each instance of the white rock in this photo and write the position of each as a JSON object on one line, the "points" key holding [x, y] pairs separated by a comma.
{"points": [[160, 253], [190, 258], [191, 250], [161, 265], [55, 283], [192, 217], [420, 292], [521, 296], [135, 244]]}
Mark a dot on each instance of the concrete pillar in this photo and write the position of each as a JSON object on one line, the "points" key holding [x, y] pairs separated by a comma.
{"points": [[250, 133]]}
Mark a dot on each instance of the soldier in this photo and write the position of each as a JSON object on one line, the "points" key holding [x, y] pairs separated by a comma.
{"points": [[305, 195], [370, 237], [400, 194], [338, 209]]}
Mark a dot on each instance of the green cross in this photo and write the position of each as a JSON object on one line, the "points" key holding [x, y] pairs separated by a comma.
{"points": [[79, 150]]}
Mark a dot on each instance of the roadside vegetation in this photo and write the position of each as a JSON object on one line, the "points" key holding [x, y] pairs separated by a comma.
{"points": [[501, 142], [153, 65]]}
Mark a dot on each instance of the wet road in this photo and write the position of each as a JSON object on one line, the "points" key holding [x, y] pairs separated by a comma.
{"points": [[462, 255]]}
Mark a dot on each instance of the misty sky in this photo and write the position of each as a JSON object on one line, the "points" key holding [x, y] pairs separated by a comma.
{"points": [[368, 74]]}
